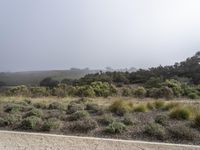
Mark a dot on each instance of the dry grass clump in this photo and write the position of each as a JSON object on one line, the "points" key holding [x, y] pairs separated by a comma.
{"points": [[140, 108], [159, 104], [181, 113]]}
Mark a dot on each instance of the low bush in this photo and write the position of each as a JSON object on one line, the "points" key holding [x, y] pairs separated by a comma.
{"points": [[40, 105], [94, 108], [159, 104], [12, 119], [78, 115], [85, 125], [161, 119], [150, 106], [3, 122], [74, 107], [106, 119], [140, 108], [31, 123], [180, 113], [197, 120], [140, 92], [51, 123], [183, 132], [35, 112], [193, 95], [127, 120], [13, 108], [170, 106], [155, 130], [127, 92], [115, 127], [120, 107], [56, 105]]}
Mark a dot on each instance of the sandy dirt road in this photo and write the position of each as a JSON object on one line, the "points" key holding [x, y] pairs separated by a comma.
{"points": [[35, 141]]}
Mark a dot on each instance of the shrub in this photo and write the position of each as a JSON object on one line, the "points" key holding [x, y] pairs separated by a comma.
{"points": [[170, 106], [183, 132], [154, 93], [161, 119], [140, 92], [84, 125], [175, 86], [3, 122], [78, 115], [31, 122], [156, 130], [127, 120], [12, 119], [167, 92], [60, 90], [39, 91], [50, 124], [94, 108], [120, 107], [197, 120], [35, 112], [74, 107], [193, 95], [126, 92], [40, 105], [85, 91], [56, 105], [180, 113], [21, 90], [106, 119], [13, 108], [150, 106], [159, 104], [140, 108], [115, 127]]}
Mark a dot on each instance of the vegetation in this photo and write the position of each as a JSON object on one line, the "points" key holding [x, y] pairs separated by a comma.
{"points": [[180, 113], [115, 127]]}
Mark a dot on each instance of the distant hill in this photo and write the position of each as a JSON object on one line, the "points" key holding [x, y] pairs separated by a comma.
{"points": [[34, 77]]}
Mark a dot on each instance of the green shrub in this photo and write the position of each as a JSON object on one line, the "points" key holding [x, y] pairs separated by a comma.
{"points": [[115, 127], [150, 106], [120, 107], [161, 119], [3, 122], [140, 108], [140, 92], [193, 95], [183, 132], [170, 106], [197, 120], [127, 92], [56, 105], [94, 108], [31, 122], [167, 92], [39, 91], [155, 130], [78, 115], [74, 107], [40, 105], [21, 90], [12, 119], [50, 124], [60, 90], [106, 119], [35, 112], [85, 125], [127, 120], [159, 104], [13, 108], [85, 91], [175, 86], [180, 113]]}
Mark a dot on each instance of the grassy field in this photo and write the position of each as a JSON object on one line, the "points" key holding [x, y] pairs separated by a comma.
{"points": [[175, 121]]}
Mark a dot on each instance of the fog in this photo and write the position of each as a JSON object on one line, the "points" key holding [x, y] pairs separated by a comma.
{"points": [[60, 34]]}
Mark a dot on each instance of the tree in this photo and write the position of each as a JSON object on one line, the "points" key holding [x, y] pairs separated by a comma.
{"points": [[49, 82]]}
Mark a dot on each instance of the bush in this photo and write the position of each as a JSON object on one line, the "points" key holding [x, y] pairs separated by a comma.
{"points": [[60, 90], [197, 120], [39, 91], [31, 122], [120, 107], [150, 106], [94, 108], [21, 90], [50, 124], [12, 119], [140, 108], [140, 92], [106, 119], [180, 113], [127, 120], [78, 115], [56, 105], [85, 125], [127, 92], [159, 104], [74, 107], [193, 95], [167, 92], [40, 105], [175, 86], [156, 130], [3, 122], [170, 106], [115, 127], [161, 119], [85, 91], [183, 132], [35, 112]]}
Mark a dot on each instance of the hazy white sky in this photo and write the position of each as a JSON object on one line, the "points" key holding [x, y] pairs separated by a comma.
{"points": [[59, 34]]}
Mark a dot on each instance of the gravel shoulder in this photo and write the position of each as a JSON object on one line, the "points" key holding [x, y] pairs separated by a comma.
{"points": [[35, 141]]}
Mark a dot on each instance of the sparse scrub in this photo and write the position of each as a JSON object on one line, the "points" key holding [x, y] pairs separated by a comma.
{"points": [[51, 123], [73, 107], [115, 127], [56, 105], [106, 119], [31, 123], [94, 108], [78, 115], [127, 120], [35, 112]]}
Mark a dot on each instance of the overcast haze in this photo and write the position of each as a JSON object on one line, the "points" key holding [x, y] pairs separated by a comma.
{"points": [[60, 34]]}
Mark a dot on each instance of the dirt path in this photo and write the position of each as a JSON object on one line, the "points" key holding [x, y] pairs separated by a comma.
{"points": [[36, 141]]}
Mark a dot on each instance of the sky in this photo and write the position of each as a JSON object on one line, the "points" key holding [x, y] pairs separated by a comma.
{"points": [[60, 34]]}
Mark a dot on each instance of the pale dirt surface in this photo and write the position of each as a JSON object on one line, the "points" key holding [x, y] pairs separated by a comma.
{"points": [[36, 141]]}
